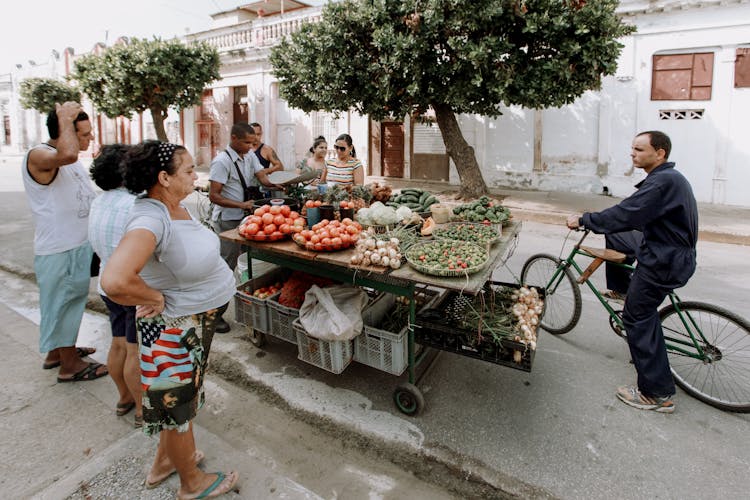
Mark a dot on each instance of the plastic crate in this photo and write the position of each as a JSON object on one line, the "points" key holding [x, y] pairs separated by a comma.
{"points": [[333, 356], [281, 318], [438, 327], [253, 311], [381, 349]]}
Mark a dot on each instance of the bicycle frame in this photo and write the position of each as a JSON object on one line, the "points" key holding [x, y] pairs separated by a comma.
{"points": [[673, 344]]}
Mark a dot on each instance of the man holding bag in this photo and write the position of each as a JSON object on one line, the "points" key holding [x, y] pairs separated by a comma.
{"points": [[234, 186]]}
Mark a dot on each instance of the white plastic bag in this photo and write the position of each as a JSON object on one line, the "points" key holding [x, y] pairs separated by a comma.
{"points": [[334, 312]]}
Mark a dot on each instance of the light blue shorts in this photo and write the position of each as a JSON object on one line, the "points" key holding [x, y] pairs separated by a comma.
{"points": [[63, 280]]}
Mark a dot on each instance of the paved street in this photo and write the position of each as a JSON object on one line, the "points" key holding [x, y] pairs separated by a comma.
{"points": [[487, 430]]}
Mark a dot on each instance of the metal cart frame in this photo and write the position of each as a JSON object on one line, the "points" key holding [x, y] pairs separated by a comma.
{"points": [[407, 396]]}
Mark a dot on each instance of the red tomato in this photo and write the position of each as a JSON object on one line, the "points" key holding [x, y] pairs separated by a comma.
{"points": [[326, 241], [279, 219], [336, 242], [324, 234], [300, 222], [346, 221], [285, 228], [309, 204], [293, 215], [285, 210], [275, 209], [277, 235], [267, 219], [315, 239], [352, 230], [318, 247], [346, 240], [309, 246], [324, 222], [342, 204], [258, 212], [317, 203], [266, 208], [255, 219], [252, 228], [335, 232], [269, 228]]}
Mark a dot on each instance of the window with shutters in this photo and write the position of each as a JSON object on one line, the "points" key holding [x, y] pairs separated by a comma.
{"points": [[682, 77], [742, 68]]}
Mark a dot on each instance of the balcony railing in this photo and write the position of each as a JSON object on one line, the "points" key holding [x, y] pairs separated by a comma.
{"points": [[258, 33]]}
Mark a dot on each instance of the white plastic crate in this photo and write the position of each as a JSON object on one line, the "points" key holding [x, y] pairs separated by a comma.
{"points": [[253, 311], [381, 349], [333, 356], [281, 318]]}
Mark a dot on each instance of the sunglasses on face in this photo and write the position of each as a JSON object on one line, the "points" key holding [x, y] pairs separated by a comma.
{"points": [[339, 148]]}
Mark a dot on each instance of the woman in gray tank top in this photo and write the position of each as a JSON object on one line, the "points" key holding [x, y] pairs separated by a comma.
{"points": [[168, 266]]}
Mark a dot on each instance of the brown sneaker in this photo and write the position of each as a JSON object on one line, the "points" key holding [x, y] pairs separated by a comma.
{"points": [[631, 396], [613, 296]]}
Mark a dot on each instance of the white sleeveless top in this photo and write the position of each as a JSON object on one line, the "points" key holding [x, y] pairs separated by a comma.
{"points": [[61, 208]]}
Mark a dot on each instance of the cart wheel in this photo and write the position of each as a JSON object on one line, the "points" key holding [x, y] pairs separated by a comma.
{"points": [[258, 339], [408, 399]]}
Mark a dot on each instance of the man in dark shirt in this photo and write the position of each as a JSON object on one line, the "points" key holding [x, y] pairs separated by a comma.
{"points": [[664, 210], [265, 153]]}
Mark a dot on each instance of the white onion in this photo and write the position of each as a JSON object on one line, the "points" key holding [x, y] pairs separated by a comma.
{"points": [[385, 261], [375, 258], [395, 263]]}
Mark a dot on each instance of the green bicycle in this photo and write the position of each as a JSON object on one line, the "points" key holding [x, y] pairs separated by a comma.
{"points": [[708, 346]]}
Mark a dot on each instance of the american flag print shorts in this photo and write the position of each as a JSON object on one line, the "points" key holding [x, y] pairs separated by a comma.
{"points": [[173, 361]]}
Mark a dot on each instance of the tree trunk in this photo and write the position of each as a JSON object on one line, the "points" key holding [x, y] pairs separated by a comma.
{"points": [[158, 116], [462, 154]]}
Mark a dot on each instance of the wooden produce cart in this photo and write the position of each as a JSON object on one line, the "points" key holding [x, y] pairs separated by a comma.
{"points": [[401, 282]]}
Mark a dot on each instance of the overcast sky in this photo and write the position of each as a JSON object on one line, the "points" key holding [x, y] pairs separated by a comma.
{"points": [[31, 29]]}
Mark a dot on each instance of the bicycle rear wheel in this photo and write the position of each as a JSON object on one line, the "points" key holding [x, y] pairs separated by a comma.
{"points": [[721, 377], [562, 301]]}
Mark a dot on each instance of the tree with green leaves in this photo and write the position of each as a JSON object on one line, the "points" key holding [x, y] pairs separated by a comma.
{"points": [[41, 94], [395, 58], [149, 75]]}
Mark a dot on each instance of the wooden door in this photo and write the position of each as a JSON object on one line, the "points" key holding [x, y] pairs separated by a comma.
{"points": [[392, 149]]}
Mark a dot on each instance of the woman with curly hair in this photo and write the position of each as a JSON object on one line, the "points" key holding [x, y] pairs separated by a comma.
{"points": [[168, 266], [108, 217]]}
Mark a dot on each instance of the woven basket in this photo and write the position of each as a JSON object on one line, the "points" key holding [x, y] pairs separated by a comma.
{"points": [[475, 232], [412, 257]]}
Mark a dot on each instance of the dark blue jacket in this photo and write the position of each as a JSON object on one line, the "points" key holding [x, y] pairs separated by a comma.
{"points": [[664, 209]]}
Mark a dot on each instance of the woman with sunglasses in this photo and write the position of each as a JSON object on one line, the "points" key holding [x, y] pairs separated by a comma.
{"points": [[345, 169]]}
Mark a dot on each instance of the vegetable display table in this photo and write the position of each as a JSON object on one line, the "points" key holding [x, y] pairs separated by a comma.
{"points": [[337, 266]]}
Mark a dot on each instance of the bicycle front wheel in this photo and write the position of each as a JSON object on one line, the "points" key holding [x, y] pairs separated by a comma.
{"points": [[562, 300], [720, 374]]}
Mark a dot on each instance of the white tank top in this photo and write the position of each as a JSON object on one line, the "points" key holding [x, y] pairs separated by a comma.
{"points": [[60, 208]]}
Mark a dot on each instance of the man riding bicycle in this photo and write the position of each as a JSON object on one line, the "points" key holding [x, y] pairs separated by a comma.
{"points": [[664, 209]]}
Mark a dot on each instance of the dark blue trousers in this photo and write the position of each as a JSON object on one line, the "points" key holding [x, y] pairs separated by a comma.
{"points": [[645, 335], [618, 279]]}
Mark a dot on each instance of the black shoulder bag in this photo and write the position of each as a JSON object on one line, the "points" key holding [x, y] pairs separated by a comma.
{"points": [[248, 192]]}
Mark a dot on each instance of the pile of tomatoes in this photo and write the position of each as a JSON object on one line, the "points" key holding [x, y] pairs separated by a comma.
{"points": [[327, 236], [271, 223]]}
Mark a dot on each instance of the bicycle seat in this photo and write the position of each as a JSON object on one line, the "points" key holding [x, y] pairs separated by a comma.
{"points": [[605, 254]]}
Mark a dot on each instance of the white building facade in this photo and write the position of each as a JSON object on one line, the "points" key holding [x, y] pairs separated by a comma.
{"points": [[685, 71], [679, 73]]}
